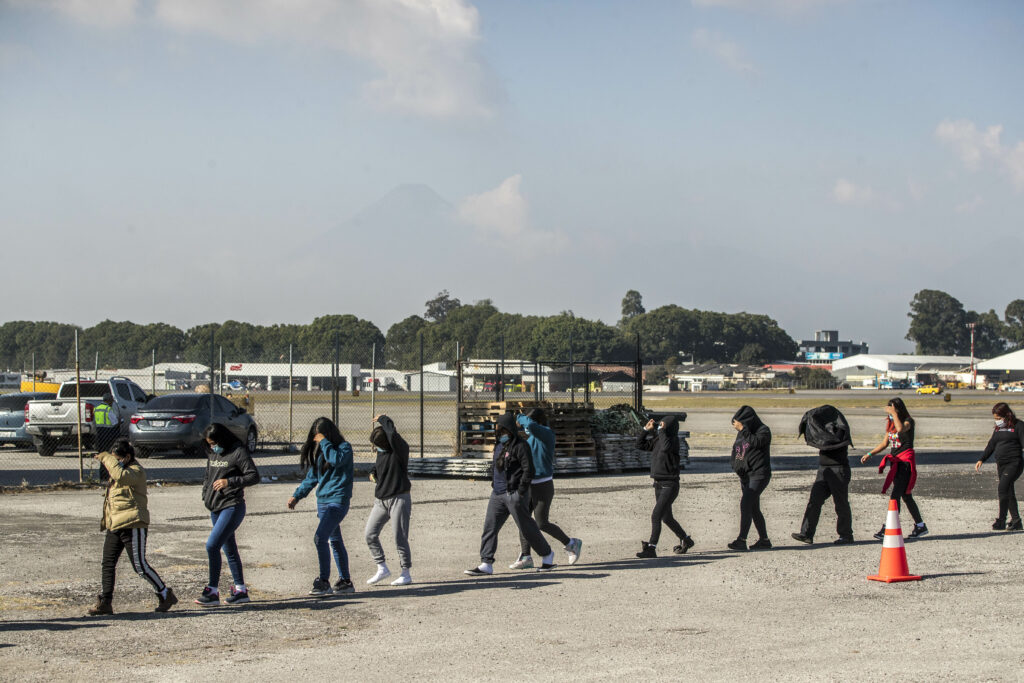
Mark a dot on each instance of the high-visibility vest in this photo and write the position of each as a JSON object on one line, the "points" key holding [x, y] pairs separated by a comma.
{"points": [[101, 415]]}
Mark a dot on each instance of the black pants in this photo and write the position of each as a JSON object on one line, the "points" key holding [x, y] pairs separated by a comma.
{"points": [[1008, 474], [834, 481], [135, 541], [665, 493], [541, 496], [899, 490], [750, 505], [500, 507]]}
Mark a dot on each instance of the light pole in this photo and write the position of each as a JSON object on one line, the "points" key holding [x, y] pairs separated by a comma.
{"points": [[974, 371]]}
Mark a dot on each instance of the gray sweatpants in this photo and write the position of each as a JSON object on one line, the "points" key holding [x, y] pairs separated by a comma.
{"points": [[398, 510], [500, 507]]}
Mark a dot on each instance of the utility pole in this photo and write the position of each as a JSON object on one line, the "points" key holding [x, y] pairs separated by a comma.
{"points": [[974, 370]]}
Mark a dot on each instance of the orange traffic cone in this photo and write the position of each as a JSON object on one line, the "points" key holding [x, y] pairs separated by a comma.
{"points": [[893, 566]]}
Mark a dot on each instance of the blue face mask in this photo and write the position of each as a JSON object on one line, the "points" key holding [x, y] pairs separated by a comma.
{"points": [[218, 449], [381, 451], [1000, 423], [503, 438]]}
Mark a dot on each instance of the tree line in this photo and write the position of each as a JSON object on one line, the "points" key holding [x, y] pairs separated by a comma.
{"points": [[939, 325], [479, 329]]}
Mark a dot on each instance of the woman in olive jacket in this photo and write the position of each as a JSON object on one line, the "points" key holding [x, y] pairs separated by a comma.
{"points": [[126, 522]]}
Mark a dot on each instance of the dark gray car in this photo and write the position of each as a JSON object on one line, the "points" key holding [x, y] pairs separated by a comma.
{"points": [[12, 416], [177, 421]]}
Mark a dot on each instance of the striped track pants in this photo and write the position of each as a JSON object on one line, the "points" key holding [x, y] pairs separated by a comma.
{"points": [[134, 541]]}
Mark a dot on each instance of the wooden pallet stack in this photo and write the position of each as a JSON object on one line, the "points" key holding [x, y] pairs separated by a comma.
{"points": [[618, 453]]}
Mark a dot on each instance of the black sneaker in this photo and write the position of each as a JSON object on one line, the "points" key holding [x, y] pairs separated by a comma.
{"points": [[209, 598], [880, 535], [999, 525], [546, 567], [762, 544], [843, 540], [1015, 525], [919, 530], [320, 587], [477, 571], [343, 586], [803, 539], [237, 597], [684, 546], [646, 551], [738, 544], [167, 601]]}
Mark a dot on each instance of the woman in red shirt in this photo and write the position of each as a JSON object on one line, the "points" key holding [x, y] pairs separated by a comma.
{"points": [[901, 460]]}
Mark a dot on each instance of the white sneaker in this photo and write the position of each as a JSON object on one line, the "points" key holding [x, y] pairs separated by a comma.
{"points": [[524, 562], [574, 549], [382, 573], [403, 579]]}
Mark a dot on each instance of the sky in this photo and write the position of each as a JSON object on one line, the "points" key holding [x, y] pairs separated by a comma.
{"points": [[818, 161]]}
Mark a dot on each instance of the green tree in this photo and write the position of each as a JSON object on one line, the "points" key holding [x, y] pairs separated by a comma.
{"points": [[1014, 319], [440, 306], [402, 344], [632, 305], [938, 324], [989, 334], [751, 354]]}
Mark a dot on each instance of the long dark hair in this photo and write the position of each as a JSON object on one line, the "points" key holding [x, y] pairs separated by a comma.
{"points": [[222, 436], [901, 409], [309, 456], [123, 449], [1005, 413]]}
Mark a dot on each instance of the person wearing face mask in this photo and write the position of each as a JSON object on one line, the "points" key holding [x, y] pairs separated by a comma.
{"points": [[510, 497], [391, 499], [664, 446], [126, 521], [229, 469], [902, 462], [751, 461], [1007, 443]]}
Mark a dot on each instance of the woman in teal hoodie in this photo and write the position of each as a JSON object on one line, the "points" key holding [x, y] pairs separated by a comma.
{"points": [[327, 459]]}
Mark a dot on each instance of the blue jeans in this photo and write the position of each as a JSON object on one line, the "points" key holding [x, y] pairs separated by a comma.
{"points": [[327, 539], [223, 536]]}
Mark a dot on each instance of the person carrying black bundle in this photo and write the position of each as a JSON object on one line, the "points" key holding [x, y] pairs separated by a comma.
{"points": [[826, 429], [664, 447], [751, 461]]}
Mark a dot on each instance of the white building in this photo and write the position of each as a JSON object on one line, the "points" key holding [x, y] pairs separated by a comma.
{"points": [[866, 368], [305, 376], [1006, 368]]}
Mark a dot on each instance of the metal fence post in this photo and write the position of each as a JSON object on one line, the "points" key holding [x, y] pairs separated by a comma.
{"points": [[96, 368], [291, 397], [220, 366], [153, 375], [422, 378], [638, 379], [335, 395], [212, 342], [501, 376], [373, 381], [33, 371], [572, 377], [78, 402]]}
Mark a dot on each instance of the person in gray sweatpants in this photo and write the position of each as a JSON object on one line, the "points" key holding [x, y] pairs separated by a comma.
{"points": [[391, 499]]}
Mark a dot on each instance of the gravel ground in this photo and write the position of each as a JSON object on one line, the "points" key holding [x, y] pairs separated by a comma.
{"points": [[796, 612]]}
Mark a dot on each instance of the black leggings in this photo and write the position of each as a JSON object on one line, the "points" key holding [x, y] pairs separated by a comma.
{"points": [[135, 541], [665, 493], [750, 505], [1008, 474], [541, 496], [899, 490]]}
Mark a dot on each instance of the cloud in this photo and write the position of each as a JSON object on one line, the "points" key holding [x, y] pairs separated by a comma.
{"points": [[846, 192], [724, 50], [504, 213], [917, 189], [782, 6], [970, 205], [101, 13], [977, 148]]}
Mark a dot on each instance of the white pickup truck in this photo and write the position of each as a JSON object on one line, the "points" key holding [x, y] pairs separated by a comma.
{"points": [[54, 423]]}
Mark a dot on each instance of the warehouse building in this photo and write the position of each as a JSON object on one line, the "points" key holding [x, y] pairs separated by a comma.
{"points": [[868, 369], [1003, 369]]}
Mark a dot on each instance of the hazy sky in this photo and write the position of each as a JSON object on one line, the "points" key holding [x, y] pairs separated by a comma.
{"points": [[816, 160]]}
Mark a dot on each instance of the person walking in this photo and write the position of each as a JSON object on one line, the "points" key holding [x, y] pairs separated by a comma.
{"points": [[901, 461], [510, 497], [827, 429], [1007, 444], [541, 440], [391, 499], [751, 461], [327, 460], [663, 443], [126, 522], [107, 422], [229, 470]]}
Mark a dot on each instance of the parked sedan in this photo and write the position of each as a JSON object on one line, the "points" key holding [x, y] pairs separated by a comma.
{"points": [[12, 416], [176, 422]]}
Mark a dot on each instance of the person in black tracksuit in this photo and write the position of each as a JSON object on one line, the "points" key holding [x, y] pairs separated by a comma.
{"points": [[1007, 444], [751, 461], [664, 447], [826, 429]]}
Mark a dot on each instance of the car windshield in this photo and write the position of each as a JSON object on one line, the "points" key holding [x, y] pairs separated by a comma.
{"points": [[89, 390], [182, 402]]}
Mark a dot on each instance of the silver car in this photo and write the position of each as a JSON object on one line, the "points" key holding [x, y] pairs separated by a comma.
{"points": [[176, 422], [12, 416]]}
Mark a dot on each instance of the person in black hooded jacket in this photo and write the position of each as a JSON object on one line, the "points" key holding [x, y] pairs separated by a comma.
{"points": [[751, 461], [391, 499], [664, 447], [826, 429], [510, 497]]}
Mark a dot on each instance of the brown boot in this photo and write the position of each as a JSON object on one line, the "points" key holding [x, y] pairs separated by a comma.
{"points": [[167, 601], [102, 606]]}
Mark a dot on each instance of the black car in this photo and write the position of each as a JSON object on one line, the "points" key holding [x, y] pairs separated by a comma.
{"points": [[177, 421]]}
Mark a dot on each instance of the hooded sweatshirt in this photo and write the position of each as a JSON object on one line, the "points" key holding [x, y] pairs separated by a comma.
{"points": [[238, 468], [826, 429], [752, 449], [664, 447], [513, 458], [331, 474], [541, 440], [392, 467]]}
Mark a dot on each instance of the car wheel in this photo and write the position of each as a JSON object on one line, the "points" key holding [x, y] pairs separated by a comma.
{"points": [[251, 440], [46, 448]]}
